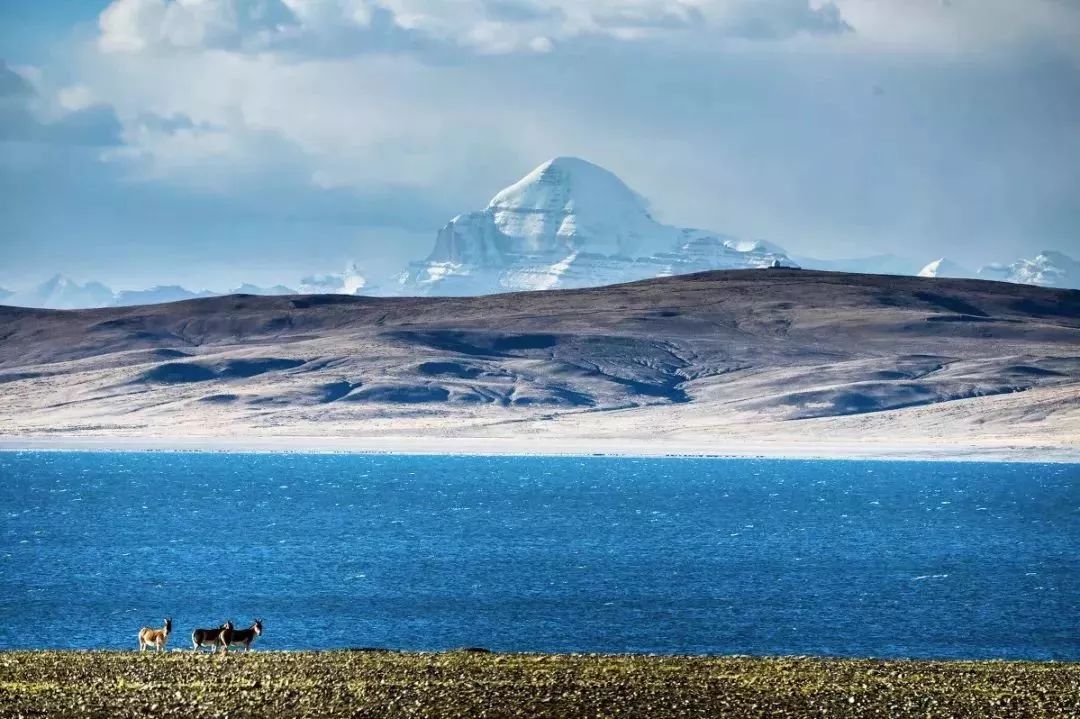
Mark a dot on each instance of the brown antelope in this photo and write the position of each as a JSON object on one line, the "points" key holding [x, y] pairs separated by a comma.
{"points": [[208, 637], [148, 636], [231, 636]]}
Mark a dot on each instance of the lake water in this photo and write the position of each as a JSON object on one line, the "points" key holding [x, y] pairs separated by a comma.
{"points": [[895, 559]]}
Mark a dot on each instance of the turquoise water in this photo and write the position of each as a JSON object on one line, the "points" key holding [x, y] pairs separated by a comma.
{"points": [[544, 554]]}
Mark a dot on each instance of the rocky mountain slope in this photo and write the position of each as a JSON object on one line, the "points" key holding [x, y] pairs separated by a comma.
{"points": [[714, 357]]}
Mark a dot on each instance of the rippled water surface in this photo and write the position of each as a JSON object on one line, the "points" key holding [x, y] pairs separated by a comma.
{"points": [[544, 554]]}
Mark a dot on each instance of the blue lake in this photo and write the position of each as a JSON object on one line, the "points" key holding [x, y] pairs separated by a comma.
{"points": [[897, 559]]}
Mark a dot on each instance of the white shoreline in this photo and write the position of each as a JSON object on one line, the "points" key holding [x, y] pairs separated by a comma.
{"points": [[541, 446]]}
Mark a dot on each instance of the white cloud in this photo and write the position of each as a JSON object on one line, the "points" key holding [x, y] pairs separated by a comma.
{"points": [[541, 44], [770, 104], [302, 73], [131, 25], [959, 26], [485, 26], [76, 97], [310, 28], [139, 25]]}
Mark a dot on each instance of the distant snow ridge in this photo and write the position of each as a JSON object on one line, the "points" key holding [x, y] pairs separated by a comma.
{"points": [[249, 289], [350, 282], [61, 293], [1048, 268], [945, 267], [156, 295], [570, 223]]}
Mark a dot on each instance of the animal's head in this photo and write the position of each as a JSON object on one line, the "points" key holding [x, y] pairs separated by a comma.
{"points": [[257, 626], [168, 625], [227, 625]]}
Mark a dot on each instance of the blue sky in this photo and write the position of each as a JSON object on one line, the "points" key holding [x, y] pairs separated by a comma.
{"points": [[32, 27], [209, 142]]}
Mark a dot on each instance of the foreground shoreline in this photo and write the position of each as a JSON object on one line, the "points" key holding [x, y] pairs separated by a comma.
{"points": [[547, 447], [476, 683]]}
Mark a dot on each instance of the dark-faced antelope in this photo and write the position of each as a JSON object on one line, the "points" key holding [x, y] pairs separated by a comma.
{"points": [[148, 636], [208, 637], [230, 636]]}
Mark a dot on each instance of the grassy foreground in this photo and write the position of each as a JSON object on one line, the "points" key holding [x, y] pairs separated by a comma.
{"points": [[474, 684]]}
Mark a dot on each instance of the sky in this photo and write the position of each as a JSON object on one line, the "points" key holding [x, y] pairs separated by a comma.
{"points": [[214, 142]]}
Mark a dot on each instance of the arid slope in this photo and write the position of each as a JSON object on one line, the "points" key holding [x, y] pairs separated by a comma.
{"points": [[709, 359]]}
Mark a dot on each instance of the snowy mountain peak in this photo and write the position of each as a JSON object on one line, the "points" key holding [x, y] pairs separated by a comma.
{"points": [[1049, 268], [570, 223], [350, 282], [60, 292], [944, 267], [546, 180], [931, 269], [567, 183], [570, 204], [62, 283], [570, 184], [249, 289]]}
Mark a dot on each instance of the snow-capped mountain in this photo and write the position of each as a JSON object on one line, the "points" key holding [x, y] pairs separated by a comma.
{"points": [[1048, 268], [61, 293], [175, 293], [944, 267], [156, 295], [250, 289], [351, 281], [570, 223]]}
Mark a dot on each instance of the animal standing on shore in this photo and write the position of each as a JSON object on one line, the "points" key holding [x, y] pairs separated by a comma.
{"points": [[231, 636], [148, 636], [208, 637]]}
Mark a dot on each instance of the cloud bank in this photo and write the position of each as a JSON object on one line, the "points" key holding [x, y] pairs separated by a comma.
{"points": [[843, 127], [483, 26]]}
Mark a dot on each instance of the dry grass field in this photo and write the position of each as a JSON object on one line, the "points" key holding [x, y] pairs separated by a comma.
{"points": [[481, 684]]}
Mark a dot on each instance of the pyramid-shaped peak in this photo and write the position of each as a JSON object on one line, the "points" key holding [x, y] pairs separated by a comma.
{"points": [[571, 223], [568, 163], [571, 184], [944, 267], [932, 268]]}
